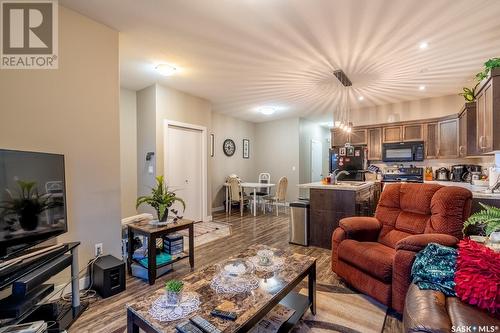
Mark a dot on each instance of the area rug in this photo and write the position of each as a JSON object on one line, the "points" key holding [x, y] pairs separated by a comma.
{"points": [[206, 232], [339, 309]]}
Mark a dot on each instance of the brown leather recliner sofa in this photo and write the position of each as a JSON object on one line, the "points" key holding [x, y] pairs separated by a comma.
{"points": [[430, 311], [375, 254]]}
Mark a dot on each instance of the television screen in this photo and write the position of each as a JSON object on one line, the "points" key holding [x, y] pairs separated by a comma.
{"points": [[32, 199]]}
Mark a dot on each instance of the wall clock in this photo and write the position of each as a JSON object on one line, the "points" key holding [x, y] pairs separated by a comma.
{"points": [[229, 147]]}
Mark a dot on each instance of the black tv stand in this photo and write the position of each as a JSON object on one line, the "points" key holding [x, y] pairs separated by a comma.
{"points": [[24, 303]]}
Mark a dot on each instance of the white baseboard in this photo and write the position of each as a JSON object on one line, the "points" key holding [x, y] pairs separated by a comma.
{"points": [[218, 209]]}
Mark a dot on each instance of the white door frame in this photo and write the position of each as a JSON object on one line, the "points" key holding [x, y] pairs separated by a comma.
{"points": [[204, 172]]}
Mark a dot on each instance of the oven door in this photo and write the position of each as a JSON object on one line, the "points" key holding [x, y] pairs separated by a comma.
{"points": [[397, 152]]}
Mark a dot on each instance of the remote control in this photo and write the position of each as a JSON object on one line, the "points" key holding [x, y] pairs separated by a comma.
{"points": [[187, 327], [224, 314], [204, 325]]}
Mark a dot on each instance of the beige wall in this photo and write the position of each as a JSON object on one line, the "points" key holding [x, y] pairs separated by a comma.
{"points": [[224, 127], [128, 151], [277, 152], [74, 111], [410, 110]]}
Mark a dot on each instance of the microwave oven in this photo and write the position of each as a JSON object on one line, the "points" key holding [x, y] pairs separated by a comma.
{"points": [[403, 151]]}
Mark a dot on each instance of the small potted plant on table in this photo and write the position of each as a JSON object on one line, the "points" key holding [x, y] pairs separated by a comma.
{"points": [[173, 289], [161, 199]]}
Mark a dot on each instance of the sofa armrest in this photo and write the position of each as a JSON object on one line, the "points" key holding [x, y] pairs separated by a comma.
{"points": [[361, 228], [425, 311], [417, 243]]}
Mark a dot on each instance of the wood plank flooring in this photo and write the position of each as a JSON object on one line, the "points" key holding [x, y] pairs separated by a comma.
{"points": [[109, 315]]}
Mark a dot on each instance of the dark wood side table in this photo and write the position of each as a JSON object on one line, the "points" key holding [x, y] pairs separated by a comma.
{"points": [[152, 233]]}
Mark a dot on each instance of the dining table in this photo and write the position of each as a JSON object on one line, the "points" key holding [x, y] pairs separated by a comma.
{"points": [[253, 187]]}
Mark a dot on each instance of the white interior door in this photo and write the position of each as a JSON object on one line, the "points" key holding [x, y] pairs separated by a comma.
{"points": [[316, 161], [184, 168]]}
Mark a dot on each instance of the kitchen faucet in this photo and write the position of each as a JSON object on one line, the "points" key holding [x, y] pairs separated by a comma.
{"points": [[336, 174]]}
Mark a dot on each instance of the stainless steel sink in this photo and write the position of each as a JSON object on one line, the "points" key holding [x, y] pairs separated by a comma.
{"points": [[350, 183]]}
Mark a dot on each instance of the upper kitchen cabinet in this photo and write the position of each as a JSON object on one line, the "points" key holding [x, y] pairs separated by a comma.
{"points": [[468, 131], [441, 139], [488, 114], [448, 139], [374, 144], [392, 134], [339, 138], [413, 132], [431, 140], [358, 137]]}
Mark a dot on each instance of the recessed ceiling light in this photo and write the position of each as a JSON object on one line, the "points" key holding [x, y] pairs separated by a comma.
{"points": [[360, 98], [165, 70], [423, 45], [421, 87], [267, 110]]}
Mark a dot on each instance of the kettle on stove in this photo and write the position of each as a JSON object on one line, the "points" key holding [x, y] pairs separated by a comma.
{"points": [[443, 174]]}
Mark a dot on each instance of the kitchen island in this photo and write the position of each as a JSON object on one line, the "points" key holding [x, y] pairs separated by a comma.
{"points": [[330, 203]]}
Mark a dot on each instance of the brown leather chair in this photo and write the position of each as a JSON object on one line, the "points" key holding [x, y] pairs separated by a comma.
{"points": [[375, 254], [430, 311]]}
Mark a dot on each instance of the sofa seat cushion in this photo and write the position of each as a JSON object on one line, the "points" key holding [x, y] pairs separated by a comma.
{"points": [[373, 258]]}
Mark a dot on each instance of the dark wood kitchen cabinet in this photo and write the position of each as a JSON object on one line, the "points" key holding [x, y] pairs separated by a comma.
{"points": [[488, 114], [392, 134], [374, 144], [448, 139], [413, 132], [431, 140], [441, 139], [358, 137], [329, 206], [339, 138], [467, 129]]}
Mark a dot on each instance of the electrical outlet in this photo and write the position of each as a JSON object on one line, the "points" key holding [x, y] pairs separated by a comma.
{"points": [[98, 249]]}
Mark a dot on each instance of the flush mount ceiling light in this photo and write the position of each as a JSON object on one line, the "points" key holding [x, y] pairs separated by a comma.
{"points": [[360, 98], [165, 70], [421, 87], [423, 45], [267, 110]]}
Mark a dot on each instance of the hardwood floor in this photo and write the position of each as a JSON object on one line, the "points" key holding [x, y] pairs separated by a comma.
{"points": [[109, 315]]}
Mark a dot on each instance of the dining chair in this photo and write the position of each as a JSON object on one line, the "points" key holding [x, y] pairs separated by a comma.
{"points": [[279, 196], [264, 178], [236, 195]]}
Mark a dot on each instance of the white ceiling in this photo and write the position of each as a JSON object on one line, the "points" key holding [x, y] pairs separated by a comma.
{"points": [[242, 54]]}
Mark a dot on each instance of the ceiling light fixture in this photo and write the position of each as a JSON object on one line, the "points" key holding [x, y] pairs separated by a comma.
{"points": [[423, 45], [360, 98], [165, 70], [421, 87], [343, 109], [267, 110]]}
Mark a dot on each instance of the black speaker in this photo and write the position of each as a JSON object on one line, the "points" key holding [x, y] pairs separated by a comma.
{"points": [[108, 276]]}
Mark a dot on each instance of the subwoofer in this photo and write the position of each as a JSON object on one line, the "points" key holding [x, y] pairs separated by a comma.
{"points": [[108, 276]]}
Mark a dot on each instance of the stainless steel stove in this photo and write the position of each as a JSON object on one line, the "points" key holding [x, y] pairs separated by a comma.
{"points": [[403, 175]]}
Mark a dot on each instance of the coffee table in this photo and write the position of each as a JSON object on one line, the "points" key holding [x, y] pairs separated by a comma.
{"points": [[274, 288]]}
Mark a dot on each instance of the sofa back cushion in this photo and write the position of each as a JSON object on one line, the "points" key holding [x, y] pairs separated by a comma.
{"points": [[409, 209]]}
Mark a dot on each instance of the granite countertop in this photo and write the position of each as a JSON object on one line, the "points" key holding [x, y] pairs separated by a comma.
{"points": [[476, 192], [342, 186]]}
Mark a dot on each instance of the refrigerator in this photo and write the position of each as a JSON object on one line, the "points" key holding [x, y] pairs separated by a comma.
{"points": [[350, 158]]}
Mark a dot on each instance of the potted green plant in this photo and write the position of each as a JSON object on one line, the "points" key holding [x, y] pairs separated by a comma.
{"points": [[173, 289], [161, 199], [488, 66], [484, 223], [27, 205], [469, 94]]}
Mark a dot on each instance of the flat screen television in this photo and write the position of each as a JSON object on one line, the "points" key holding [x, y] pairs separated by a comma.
{"points": [[32, 200]]}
